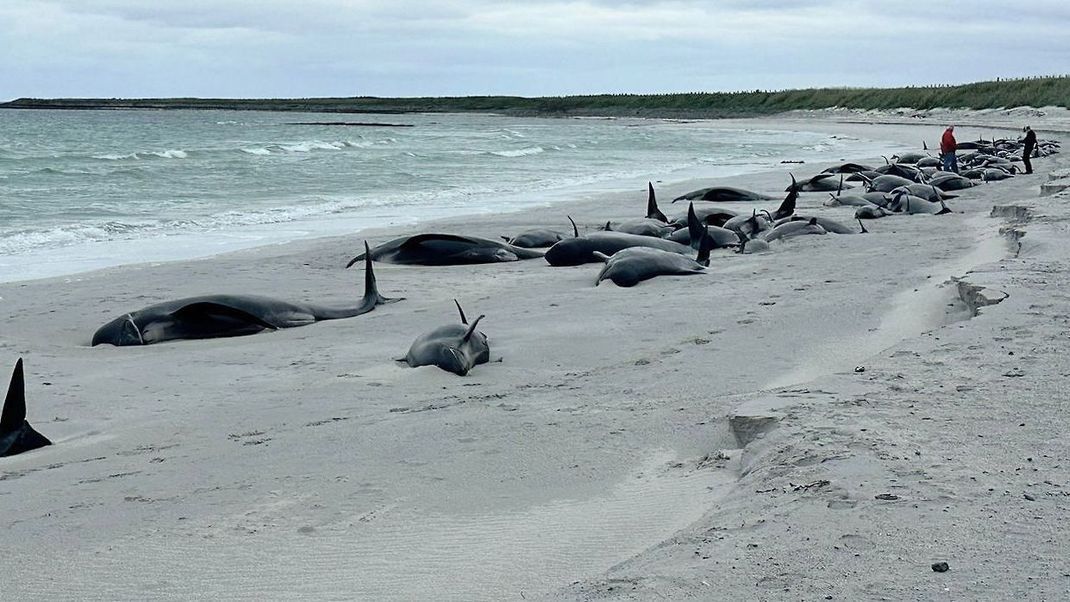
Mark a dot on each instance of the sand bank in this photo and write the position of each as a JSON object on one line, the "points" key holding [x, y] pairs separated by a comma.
{"points": [[599, 457]]}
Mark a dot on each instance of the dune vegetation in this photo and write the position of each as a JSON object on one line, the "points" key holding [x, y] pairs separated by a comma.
{"points": [[1003, 93]]}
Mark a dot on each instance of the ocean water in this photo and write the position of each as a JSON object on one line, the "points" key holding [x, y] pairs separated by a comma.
{"points": [[80, 190]]}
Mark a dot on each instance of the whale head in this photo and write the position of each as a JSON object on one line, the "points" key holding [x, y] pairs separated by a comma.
{"points": [[120, 332]]}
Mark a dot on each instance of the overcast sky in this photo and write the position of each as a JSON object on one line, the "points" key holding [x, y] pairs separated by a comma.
{"points": [[300, 48]]}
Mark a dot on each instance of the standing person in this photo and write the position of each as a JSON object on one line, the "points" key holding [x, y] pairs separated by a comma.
{"points": [[948, 146], [1030, 142]]}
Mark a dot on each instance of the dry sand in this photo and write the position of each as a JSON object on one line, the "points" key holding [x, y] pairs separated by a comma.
{"points": [[692, 437]]}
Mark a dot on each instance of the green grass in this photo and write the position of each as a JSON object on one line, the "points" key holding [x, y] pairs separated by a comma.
{"points": [[1036, 92]]}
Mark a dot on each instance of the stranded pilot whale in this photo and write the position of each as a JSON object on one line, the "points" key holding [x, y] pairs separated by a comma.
{"points": [[631, 266], [455, 348], [445, 249], [16, 435], [212, 316]]}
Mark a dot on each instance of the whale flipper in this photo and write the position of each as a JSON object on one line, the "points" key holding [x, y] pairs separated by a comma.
{"points": [[464, 320], [16, 435], [472, 329]]}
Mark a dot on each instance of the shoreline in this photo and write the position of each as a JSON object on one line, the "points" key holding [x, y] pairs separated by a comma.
{"points": [[88, 257], [349, 473], [197, 246]]}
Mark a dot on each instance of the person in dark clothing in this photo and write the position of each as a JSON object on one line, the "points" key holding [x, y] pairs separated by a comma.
{"points": [[948, 146], [1030, 143]]}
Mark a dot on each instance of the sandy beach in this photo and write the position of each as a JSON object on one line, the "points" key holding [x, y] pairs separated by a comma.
{"points": [[822, 421]]}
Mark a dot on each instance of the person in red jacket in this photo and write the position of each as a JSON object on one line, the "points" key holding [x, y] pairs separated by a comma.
{"points": [[948, 146]]}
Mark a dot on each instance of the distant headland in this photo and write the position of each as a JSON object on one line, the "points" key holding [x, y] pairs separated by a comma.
{"points": [[1000, 93]]}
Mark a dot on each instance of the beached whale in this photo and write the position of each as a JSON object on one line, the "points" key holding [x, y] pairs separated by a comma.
{"points": [[16, 434], [539, 238], [213, 316], [910, 172], [847, 200], [796, 228], [888, 182], [925, 191], [632, 266], [698, 231], [913, 205], [748, 225], [577, 251], [871, 212], [445, 249], [750, 246], [709, 214], [830, 225], [950, 181], [823, 182], [847, 168], [641, 226], [455, 348], [723, 194], [909, 158]]}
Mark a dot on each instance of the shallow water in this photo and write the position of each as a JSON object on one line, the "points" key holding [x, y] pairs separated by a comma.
{"points": [[87, 189]]}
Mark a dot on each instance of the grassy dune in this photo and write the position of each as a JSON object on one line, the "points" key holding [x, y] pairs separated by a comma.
{"points": [[1038, 91]]}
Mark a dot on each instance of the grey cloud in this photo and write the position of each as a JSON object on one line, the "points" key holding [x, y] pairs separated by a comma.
{"points": [[425, 47]]}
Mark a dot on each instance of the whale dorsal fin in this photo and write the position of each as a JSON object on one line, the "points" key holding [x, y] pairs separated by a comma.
{"points": [[608, 228], [864, 231], [704, 247], [601, 256], [695, 228], [813, 221], [15, 402], [652, 210], [575, 230], [464, 320], [371, 290], [787, 207], [472, 328]]}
